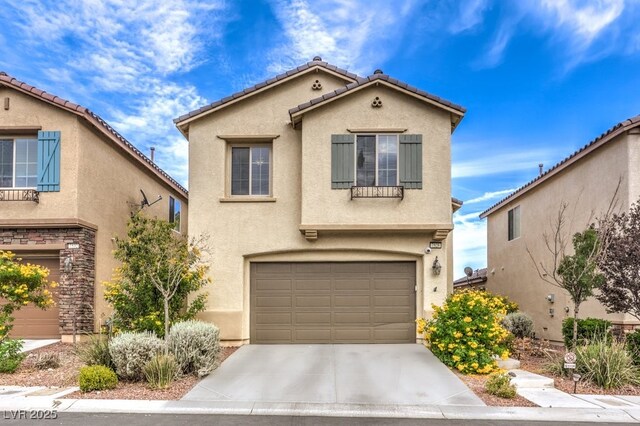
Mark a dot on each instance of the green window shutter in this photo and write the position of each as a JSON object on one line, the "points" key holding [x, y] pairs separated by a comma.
{"points": [[410, 161], [48, 161], [342, 161]]}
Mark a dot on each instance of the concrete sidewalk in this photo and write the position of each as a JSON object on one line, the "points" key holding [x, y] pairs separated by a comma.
{"points": [[569, 415]]}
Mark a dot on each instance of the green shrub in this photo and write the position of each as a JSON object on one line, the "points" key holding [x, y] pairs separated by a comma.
{"points": [[633, 346], [499, 384], [10, 355], [195, 345], [130, 352], [555, 364], [95, 351], [97, 377], [160, 371], [607, 364], [519, 324], [588, 329], [465, 333], [47, 360]]}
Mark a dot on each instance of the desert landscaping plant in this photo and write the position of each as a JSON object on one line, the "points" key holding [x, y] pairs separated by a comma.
{"points": [[47, 360], [160, 371], [466, 333], [607, 364], [633, 346], [96, 378], [10, 355], [499, 384], [21, 285], [95, 351], [195, 345], [161, 272], [519, 324], [588, 329], [130, 352]]}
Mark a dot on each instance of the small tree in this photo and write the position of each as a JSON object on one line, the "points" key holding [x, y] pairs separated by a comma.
{"points": [[621, 264], [21, 285], [160, 269]]}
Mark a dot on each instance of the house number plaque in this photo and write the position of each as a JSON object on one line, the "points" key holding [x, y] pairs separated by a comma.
{"points": [[435, 245]]}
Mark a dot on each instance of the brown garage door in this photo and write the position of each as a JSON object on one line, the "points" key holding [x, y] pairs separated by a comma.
{"points": [[35, 323], [350, 302]]}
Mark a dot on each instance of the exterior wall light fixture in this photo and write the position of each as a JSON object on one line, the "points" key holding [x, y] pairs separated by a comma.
{"points": [[436, 268]]}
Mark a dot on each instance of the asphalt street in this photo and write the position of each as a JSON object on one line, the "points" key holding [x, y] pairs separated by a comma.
{"points": [[83, 419]]}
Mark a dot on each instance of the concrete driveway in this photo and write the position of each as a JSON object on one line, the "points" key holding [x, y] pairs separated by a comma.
{"points": [[343, 374]]}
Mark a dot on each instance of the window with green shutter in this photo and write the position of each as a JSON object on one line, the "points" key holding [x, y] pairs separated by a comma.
{"points": [[48, 161], [369, 160]]}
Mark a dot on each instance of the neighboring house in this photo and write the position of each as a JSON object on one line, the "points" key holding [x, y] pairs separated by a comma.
{"points": [[68, 184], [476, 281], [321, 192], [586, 181]]}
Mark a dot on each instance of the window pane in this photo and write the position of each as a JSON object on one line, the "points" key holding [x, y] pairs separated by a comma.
{"points": [[366, 161], [516, 222], [240, 171], [260, 171], [177, 207], [26, 163], [6, 163], [387, 160]]}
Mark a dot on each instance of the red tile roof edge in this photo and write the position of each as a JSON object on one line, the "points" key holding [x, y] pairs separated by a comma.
{"points": [[96, 121]]}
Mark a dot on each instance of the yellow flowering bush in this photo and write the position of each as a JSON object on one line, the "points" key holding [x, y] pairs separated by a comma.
{"points": [[21, 285], [466, 332]]}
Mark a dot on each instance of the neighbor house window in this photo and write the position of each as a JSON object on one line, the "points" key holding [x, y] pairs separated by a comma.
{"points": [[514, 223], [175, 208], [18, 163], [251, 170], [376, 160]]}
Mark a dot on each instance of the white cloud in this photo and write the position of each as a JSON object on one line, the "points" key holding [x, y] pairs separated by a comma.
{"points": [[489, 196], [469, 242], [470, 15], [357, 35], [504, 162], [132, 52]]}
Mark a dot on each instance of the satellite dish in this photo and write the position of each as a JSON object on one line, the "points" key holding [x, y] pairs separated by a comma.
{"points": [[468, 271], [145, 201]]}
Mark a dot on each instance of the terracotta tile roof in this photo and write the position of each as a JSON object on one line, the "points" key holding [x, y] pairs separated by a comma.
{"points": [[317, 62], [97, 122], [610, 134], [372, 78]]}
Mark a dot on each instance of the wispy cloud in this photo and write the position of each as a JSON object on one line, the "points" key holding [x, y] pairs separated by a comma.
{"points": [[489, 196], [469, 242], [130, 52], [504, 162], [470, 15], [358, 35]]}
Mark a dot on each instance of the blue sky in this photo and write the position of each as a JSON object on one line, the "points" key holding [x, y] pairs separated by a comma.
{"points": [[540, 78]]}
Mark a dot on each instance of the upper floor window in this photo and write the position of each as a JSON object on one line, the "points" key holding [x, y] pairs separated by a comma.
{"points": [[175, 208], [251, 170], [514, 223], [376, 160], [18, 163]]}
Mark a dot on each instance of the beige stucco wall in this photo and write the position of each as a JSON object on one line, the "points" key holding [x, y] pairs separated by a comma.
{"points": [[587, 186], [242, 232], [99, 183]]}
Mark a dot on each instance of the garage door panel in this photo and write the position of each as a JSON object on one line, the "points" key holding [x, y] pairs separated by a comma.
{"points": [[351, 302], [313, 318]]}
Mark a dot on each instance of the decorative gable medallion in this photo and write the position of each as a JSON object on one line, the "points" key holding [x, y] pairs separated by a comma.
{"points": [[316, 85], [377, 102]]}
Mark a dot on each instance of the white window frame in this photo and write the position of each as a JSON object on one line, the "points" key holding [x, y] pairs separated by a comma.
{"points": [[355, 157], [515, 210], [269, 146], [13, 178]]}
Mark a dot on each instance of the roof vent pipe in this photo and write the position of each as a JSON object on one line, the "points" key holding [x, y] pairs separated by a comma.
{"points": [[317, 58], [378, 71], [153, 153], [540, 166]]}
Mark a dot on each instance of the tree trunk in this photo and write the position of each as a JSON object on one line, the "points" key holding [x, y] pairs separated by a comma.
{"points": [[166, 319], [574, 341]]}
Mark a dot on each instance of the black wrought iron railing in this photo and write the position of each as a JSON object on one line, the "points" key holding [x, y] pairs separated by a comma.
{"points": [[377, 192], [19, 195]]}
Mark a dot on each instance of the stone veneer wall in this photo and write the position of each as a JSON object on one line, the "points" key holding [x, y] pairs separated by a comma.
{"points": [[75, 297]]}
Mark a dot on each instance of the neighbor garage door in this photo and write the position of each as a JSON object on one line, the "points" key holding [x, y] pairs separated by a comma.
{"points": [[350, 302], [32, 322]]}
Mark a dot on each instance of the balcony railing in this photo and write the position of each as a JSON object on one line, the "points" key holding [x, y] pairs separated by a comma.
{"points": [[377, 192], [19, 195]]}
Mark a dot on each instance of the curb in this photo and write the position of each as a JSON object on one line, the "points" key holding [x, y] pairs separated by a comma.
{"points": [[249, 408]]}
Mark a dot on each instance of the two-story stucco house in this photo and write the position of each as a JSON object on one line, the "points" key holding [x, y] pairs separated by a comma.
{"points": [[68, 184], [586, 181], [327, 200]]}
